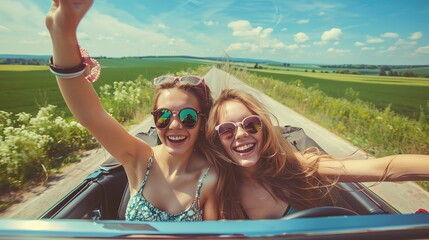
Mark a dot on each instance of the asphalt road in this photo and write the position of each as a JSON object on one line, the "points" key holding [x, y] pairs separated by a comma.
{"points": [[407, 197]]}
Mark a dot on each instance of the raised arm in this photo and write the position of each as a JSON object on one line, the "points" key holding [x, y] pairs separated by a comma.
{"points": [[62, 22], [404, 167]]}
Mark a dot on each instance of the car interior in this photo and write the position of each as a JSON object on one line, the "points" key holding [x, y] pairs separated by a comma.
{"points": [[104, 194]]}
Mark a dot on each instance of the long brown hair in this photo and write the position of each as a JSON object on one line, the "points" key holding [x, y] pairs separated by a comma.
{"points": [[281, 170], [203, 94]]}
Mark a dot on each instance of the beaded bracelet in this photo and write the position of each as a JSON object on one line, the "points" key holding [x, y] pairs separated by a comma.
{"points": [[93, 67], [88, 65]]}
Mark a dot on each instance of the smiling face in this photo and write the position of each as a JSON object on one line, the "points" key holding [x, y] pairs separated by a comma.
{"points": [[244, 148], [177, 139]]}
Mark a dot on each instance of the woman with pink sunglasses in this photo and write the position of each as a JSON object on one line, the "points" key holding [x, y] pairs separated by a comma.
{"points": [[262, 177], [170, 182]]}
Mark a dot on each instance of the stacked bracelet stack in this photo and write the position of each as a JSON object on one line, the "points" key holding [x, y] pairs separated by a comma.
{"points": [[88, 65], [67, 72]]}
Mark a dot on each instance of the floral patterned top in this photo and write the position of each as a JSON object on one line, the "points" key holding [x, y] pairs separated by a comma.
{"points": [[139, 209]]}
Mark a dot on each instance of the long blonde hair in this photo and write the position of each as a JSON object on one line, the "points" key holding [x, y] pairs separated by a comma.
{"points": [[280, 169]]}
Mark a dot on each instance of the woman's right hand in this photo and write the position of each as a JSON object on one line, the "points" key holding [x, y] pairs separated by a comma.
{"points": [[64, 16]]}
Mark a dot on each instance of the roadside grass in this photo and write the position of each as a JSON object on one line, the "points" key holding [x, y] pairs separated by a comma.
{"points": [[405, 95]]}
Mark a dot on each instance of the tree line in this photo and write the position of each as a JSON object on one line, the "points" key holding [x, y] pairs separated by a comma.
{"points": [[23, 61], [365, 66]]}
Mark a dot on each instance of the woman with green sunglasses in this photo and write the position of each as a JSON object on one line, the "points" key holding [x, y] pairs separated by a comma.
{"points": [[173, 181], [262, 177]]}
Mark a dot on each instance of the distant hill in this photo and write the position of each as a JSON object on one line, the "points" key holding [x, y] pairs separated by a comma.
{"points": [[23, 56], [232, 59]]}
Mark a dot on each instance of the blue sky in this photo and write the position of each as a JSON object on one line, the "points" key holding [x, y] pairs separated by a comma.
{"points": [[313, 31]]}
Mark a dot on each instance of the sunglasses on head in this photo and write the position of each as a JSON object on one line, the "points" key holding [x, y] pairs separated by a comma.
{"points": [[188, 117], [194, 80], [251, 124]]}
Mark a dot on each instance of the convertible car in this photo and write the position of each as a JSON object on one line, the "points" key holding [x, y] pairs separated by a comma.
{"points": [[95, 209]]}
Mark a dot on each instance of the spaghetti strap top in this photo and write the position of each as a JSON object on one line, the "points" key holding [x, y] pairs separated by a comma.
{"points": [[139, 209]]}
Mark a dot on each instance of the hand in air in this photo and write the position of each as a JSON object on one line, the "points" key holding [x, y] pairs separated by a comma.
{"points": [[65, 15]]}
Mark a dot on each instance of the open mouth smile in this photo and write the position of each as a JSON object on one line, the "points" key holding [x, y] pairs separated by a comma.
{"points": [[176, 139], [245, 148]]}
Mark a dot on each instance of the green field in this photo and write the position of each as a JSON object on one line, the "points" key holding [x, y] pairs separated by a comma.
{"points": [[20, 68], [26, 88], [405, 94], [419, 71]]}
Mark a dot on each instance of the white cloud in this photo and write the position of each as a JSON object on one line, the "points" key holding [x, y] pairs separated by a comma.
{"points": [[30, 42], [4, 29], [257, 39], [266, 32], [416, 35], [321, 14], [339, 51], [390, 35], [359, 44], [22, 23], [243, 28], [108, 34], [292, 46], [283, 30], [176, 41], [20, 13], [278, 45], [100, 37], [391, 49], [367, 48], [320, 43], [301, 37], [272, 44], [403, 43], [303, 21], [84, 36], [423, 50], [371, 39], [243, 47], [333, 34], [211, 23], [43, 34], [162, 26]]}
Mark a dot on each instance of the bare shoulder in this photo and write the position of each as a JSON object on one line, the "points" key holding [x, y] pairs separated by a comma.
{"points": [[212, 176], [209, 183], [201, 166]]}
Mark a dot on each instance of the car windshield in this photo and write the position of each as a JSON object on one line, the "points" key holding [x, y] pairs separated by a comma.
{"points": [[347, 77]]}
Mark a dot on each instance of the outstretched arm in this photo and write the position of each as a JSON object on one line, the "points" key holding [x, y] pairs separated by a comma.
{"points": [[404, 167], [62, 22]]}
